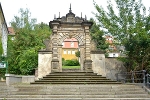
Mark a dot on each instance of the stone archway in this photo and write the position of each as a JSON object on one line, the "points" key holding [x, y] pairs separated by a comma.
{"points": [[50, 60], [68, 27], [77, 34]]}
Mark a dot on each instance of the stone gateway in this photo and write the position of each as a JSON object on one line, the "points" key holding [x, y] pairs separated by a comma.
{"points": [[69, 26]]}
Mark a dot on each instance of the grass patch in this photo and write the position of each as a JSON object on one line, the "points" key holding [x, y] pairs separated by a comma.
{"points": [[71, 67]]}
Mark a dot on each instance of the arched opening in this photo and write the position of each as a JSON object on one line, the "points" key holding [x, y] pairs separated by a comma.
{"points": [[70, 55]]}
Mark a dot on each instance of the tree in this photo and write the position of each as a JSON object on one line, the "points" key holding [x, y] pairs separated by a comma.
{"points": [[23, 50], [97, 36], [77, 54], [129, 25]]}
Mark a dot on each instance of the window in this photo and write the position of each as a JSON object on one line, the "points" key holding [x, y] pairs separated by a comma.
{"points": [[65, 52], [72, 44], [69, 52], [73, 52], [113, 55]]}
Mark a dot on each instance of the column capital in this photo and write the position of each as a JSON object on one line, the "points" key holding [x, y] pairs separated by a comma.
{"points": [[54, 23], [85, 23]]}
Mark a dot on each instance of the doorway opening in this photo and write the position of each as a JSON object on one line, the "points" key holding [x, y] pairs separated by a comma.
{"points": [[70, 55]]}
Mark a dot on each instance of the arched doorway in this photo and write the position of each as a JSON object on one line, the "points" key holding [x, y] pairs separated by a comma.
{"points": [[66, 27], [70, 26], [70, 55]]}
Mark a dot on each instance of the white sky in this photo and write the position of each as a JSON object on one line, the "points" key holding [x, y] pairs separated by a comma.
{"points": [[44, 10]]}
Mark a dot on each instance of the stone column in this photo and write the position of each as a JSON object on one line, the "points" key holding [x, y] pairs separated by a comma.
{"points": [[60, 57], [87, 61], [82, 57], [55, 59]]}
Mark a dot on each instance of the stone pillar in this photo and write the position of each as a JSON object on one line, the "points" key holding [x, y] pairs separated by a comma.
{"points": [[55, 59], [44, 65], [82, 54], [60, 57], [87, 61]]}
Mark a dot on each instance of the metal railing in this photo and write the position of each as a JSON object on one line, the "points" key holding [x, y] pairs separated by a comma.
{"points": [[132, 77], [147, 80]]}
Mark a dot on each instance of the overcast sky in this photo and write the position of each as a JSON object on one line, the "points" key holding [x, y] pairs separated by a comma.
{"points": [[44, 10]]}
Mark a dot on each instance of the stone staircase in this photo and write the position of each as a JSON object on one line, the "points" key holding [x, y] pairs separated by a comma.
{"points": [[73, 86], [74, 78], [73, 92]]}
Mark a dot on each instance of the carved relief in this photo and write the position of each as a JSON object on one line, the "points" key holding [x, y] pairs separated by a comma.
{"points": [[79, 36]]}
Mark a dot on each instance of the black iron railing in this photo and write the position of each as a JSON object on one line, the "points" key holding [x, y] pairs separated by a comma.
{"points": [[132, 77], [147, 80]]}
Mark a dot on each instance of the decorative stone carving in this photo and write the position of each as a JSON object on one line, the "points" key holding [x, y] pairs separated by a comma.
{"points": [[47, 44]]}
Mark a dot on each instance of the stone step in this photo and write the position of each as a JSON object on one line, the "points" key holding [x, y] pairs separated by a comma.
{"points": [[78, 96], [75, 99], [70, 78], [38, 82], [72, 73], [71, 92], [74, 92], [73, 76], [68, 86], [74, 80]]}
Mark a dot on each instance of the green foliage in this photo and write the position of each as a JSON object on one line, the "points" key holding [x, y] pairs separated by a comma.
{"points": [[129, 25], [97, 36], [71, 67], [71, 63], [63, 61], [23, 50], [27, 66], [77, 54]]}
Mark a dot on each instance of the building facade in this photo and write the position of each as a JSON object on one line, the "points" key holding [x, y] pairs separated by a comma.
{"points": [[69, 48], [3, 33]]}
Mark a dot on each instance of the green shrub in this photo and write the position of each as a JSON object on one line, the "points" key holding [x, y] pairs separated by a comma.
{"points": [[71, 63], [63, 61]]}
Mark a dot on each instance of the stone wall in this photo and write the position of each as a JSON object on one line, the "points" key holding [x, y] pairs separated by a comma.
{"points": [[12, 79], [113, 66], [44, 63], [108, 67]]}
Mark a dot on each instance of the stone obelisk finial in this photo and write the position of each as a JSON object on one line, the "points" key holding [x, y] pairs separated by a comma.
{"points": [[70, 9]]}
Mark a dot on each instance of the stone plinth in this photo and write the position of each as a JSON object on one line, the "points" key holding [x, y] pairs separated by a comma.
{"points": [[12, 79], [98, 64], [44, 63], [88, 65]]}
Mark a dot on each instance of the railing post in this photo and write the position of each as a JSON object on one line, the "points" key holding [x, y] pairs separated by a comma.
{"points": [[143, 76], [147, 79], [132, 76]]}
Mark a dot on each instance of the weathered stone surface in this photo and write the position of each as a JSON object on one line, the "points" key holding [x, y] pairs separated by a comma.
{"points": [[44, 63], [98, 64], [47, 44], [108, 67], [113, 66]]}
